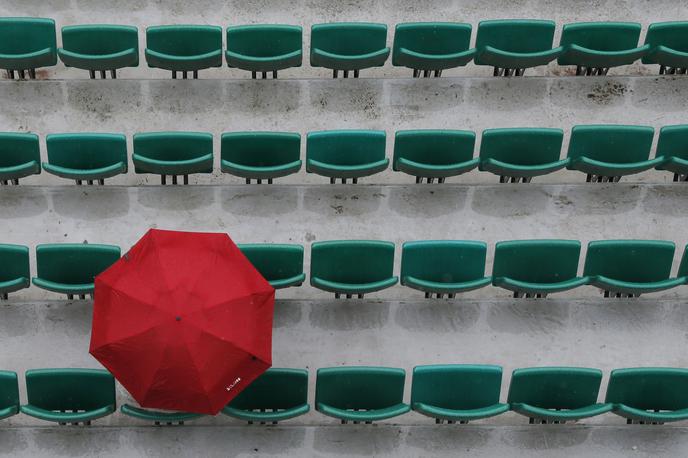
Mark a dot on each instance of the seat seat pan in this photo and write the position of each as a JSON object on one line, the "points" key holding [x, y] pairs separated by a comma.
{"points": [[260, 173], [644, 415], [262, 63], [281, 415], [514, 170], [505, 59], [125, 58], [86, 174], [353, 288], [42, 58], [179, 63], [594, 167], [579, 55], [445, 288], [539, 288], [322, 58], [8, 412], [367, 415], [63, 288], [423, 61], [201, 164], [663, 55], [460, 415], [619, 286], [565, 415], [435, 171], [154, 415], [10, 286], [66, 417], [673, 164], [296, 280], [346, 171], [20, 170]]}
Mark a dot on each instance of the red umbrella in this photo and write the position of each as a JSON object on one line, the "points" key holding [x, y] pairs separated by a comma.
{"points": [[183, 321]]}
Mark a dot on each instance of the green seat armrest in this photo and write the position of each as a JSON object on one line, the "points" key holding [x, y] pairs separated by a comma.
{"points": [[349, 288], [644, 415], [594, 167], [514, 170], [260, 173], [201, 164], [668, 57], [539, 288], [435, 171], [579, 55], [443, 288], [63, 288], [505, 59], [281, 415], [296, 280], [673, 164], [566, 415], [422, 61], [67, 417], [125, 58], [346, 171], [11, 286], [42, 58], [184, 63], [609, 284], [8, 412], [153, 415], [264, 64], [86, 174], [349, 62], [20, 171], [460, 415], [366, 415]]}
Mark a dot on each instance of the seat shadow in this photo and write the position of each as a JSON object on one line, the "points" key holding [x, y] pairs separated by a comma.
{"points": [[264, 96], [546, 438], [510, 200], [661, 94], [105, 101], [175, 198], [528, 316], [349, 314], [287, 313], [667, 200], [427, 201], [507, 94], [414, 97], [351, 440], [595, 199], [437, 315], [179, 97], [444, 438], [343, 200], [23, 202], [91, 204], [264, 201], [361, 96], [588, 93]]}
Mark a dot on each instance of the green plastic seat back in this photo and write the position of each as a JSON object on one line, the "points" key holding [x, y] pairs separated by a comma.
{"points": [[275, 261], [352, 261], [70, 389], [673, 141], [459, 386], [100, 39], [264, 40], [261, 149], [9, 390], [537, 261], [611, 143], [602, 36], [173, 146], [86, 150], [630, 260], [522, 146], [275, 389], [555, 387], [516, 35], [25, 35], [349, 38], [74, 263], [184, 40], [649, 388], [433, 37], [435, 147], [18, 148], [673, 35], [444, 261], [346, 147], [14, 262], [360, 387], [683, 267]]}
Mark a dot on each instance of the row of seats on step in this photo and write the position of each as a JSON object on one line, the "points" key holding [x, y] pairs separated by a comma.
{"points": [[528, 268], [605, 153], [362, 394], [510, 46]]}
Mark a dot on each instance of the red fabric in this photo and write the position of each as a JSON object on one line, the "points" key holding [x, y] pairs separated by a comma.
{"points": [[183, 321]]}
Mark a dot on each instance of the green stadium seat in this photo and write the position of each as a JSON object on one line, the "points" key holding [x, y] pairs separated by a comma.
{"points": [[69, 395], [100, 48], [20, 156], [519, 154], [9, 394], [649, 395], [434, 154], [173, 153], [86, 157], [444, 266], [348, 46], [536, 268], [672, 150], [432, 46], [184, 48], [26, 44], [15, 272], [276, 395], [158, 417], [556, 394], [668, 47], [352, 266], [629, 268], [457, 392], [264, 48], [595, 47], [260, 155], [346, 154], [607, 152], [71, 268], [360, 394], [512, 45], [281, 265]]}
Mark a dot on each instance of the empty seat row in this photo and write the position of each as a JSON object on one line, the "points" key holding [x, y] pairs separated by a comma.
{"points": [[605, 153], [510, 46], [360, 394], [528, 268]]}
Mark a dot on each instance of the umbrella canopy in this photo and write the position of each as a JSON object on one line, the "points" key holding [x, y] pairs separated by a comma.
{"points": [[183, 321]]}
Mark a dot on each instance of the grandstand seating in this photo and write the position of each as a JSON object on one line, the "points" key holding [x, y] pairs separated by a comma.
{"points": [[100, 48], [184, 48], [672, 149], [158, 417], [348, 47], [14, 269], [668, 47], [9, 394], [264, 48], [281, 265], [27, 44], [86, 157], [260, 155], [20, 156]]}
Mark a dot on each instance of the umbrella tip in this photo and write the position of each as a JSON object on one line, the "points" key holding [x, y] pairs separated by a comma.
{"points": [[178, 318]]}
